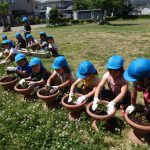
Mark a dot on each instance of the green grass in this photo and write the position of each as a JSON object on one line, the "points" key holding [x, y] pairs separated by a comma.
{"points": [[25, 125]]}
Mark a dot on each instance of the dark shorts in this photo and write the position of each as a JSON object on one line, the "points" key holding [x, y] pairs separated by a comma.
{"points": [[108, 96]]}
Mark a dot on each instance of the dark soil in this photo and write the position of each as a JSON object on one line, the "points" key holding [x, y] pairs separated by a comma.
{"points": [[10, 72], [101, 110], [9, 79], [74, 99], [46, 92], [141, 118], [22, 87]]}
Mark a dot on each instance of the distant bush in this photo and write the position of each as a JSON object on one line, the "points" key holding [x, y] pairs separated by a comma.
{"points": [[75, 21], [111, 18], [144, 16], [18, 21]]}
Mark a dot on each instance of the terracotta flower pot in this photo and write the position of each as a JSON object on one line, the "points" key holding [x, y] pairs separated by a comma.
{"points": [[75, 110], [49, 99], [98, 117], [41, 54], [26, 92], [8, 82], [25, 51], [139, 134]]}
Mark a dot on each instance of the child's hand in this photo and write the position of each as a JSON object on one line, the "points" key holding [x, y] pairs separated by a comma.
{"points": [[110, 107], [70, 97], [22, 81], [54, 89], [81, 99], [11, 68], [94, 106], [31, 84], [130, 109]]}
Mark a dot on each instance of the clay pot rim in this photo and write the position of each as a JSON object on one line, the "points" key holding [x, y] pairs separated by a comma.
{"points": [[72, 106], [99, 117], [135, 125], [46, 97], [22, 90], [6, 83]]}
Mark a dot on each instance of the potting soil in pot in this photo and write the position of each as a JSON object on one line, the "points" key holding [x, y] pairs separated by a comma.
{"points": [[24, 86], [100, 110], [74, 100], [46, 92], [141, 118]]}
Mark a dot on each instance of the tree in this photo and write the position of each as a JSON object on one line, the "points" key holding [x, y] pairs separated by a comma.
{"points": [[82, 4], [4, 8], [53, 16]]}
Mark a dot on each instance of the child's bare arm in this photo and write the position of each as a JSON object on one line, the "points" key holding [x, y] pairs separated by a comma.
{"points": [[74, 85], [100, 86], [133, 95], [51, 78]]}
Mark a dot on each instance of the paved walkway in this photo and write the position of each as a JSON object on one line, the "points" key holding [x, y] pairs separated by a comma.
{"points": [[20, 28]]}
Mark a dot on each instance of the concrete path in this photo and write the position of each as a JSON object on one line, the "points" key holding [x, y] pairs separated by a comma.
{"points": [[20, 28]]}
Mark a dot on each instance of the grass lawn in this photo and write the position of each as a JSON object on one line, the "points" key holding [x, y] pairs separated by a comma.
{"points": [[25, 125]]}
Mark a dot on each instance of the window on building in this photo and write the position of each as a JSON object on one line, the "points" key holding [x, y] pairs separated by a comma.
{"points": [[28, 1], [36, 7], [12, 1]]}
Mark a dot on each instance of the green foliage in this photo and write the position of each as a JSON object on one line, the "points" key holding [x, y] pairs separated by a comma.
{"points": [[4, 8], [18, 20], [53, 16]]}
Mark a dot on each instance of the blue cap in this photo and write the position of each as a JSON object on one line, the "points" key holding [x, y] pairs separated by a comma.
{"points": [[138, 69], [6, 42], [34, 61], [42, 33], [18, 34], [84, 69], [115, 62], [19, 57], [50, 36], [60, 62], [4, 36], [25, 19], [29, 36]]}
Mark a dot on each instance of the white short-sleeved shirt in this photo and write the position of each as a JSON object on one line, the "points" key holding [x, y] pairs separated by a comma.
{"points": [[114, 85], [63, 77], [53, 45]]}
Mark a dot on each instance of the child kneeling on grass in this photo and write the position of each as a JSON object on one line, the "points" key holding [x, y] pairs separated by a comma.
{"points": [[118, 87], [138, 72], [61, 70], [32, 43], [23, 70], [43, 41], [10, 51], [21, 43], [87, 74], [52, 46], [39, 74]]}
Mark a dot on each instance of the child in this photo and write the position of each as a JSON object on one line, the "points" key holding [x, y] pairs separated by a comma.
{"points": [[52, 46], [138, 73], [4, 37], [27, 27], [43, 41], [118, 86], [61, 70], [88, 75], [10, 51], [23, 70], [21, 43], [32, 43], [39, 74]]}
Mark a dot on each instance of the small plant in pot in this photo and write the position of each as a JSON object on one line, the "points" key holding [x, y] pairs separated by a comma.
{"points": [[75, 110], [48, 96], [139, 120], [8, 82], [100, 114]]}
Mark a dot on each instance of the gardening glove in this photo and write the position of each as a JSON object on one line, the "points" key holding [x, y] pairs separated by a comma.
{"points": [[111, 107], [3, 61], [22, 81], [70, 97], [94, 106], [11, 68], [31, 84], [130, 109], [81, 99], [1, 55], [54, 89]]}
